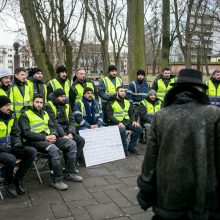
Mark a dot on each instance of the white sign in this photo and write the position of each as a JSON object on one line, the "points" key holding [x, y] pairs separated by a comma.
{"points": [[102, 145]]}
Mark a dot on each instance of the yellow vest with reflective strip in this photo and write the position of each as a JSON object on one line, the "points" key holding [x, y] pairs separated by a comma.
{"points": [[37, 123], [18, 100], [212, 91], [67, 110], [151, 108], [31, 90], [118, 112], [56, 85], [162, 89], [109, 85], [80, 90], [6, 129]]}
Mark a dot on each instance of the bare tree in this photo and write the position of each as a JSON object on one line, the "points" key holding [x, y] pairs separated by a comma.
{"points": [[136, 46]]}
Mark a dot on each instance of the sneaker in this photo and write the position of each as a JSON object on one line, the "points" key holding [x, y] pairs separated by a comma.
{"points": [[133, 151], [20, 188], [10, 190], [60, 185], [73, 177]]}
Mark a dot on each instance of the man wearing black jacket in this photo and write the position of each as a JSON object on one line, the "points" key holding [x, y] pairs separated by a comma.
{"points": [[62, 116], [12, 148], [120, 112], [39, 131]]}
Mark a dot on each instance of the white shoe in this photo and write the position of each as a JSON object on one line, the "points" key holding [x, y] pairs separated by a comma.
{"points": [[60, 185]]}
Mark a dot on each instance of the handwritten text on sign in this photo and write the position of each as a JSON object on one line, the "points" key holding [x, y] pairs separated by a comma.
{"points": [[102, 145]]}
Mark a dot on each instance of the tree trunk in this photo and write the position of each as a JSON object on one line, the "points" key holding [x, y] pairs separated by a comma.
{"points": [[165, 33], [136, 43], [105, 56], [35, 38]]}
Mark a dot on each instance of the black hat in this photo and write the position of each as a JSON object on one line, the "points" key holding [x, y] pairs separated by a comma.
{"points": [[87, 89], [190, 77], [32, 71], [111, 68], [58, 92], [4, 100], [61, 69], [141, 72]]}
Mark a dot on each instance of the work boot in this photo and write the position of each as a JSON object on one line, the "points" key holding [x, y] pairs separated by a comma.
{"points": [[133, 151], [73, 177], [20, 188], [60, 185], [10, 190]]}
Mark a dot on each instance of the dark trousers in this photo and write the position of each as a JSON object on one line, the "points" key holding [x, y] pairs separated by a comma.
{"points": [[80, 142], [136, 131], [104, 112], [27, 156]]}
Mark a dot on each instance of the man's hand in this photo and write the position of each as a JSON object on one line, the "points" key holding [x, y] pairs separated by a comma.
{"points": [[94, 126], [51, 138], [66, 136], [121, 125], [135, 124], [70, 135]]}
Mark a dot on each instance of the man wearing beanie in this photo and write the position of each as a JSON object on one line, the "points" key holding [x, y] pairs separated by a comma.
{"points": [[62, 116], [36, 83], [20, 96], [87, 111], [39, 131], [5, 81], [60, 82], [181, 168], [213, 90], [163, 82], [107, 89], [11, 148]]}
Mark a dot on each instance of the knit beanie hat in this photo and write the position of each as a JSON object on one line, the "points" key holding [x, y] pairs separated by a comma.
{"points": [[152, 92], [141, 72], [58, 92], [4, 100], [32, 71], [87, 89], [5, 72], [61, 69], [111, 68]]}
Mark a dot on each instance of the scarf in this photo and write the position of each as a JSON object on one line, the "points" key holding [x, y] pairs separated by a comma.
{"points": [[90, 110]]}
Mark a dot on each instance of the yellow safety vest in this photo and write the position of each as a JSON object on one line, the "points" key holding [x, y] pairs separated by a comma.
{"points": [[118, 112], [80, 90], [5, 130], [109, 85], [151, 109], [31, 90], [56, 85], [18, 100], [213, 93], [67, 110], [162, 89], [37, 123]]}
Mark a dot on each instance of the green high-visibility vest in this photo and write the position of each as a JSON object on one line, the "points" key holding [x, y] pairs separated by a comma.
{"points": [[56, 85], [5, 129], [20, 101], [37, 123], [67, 110], [80, 90], [118, 112], [151, 109], [109, 85], [162, 89]]}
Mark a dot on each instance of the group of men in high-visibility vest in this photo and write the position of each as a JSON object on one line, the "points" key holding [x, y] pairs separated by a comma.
{"points": [[50, 115]]}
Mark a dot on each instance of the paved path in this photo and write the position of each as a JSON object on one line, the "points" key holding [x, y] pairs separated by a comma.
{"points": [[107, 192]]}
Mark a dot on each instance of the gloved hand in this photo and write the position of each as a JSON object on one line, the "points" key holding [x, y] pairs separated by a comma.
{"points": [[145, 199]]}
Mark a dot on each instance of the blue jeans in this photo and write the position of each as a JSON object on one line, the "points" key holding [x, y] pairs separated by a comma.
{"points": [[136, 131]]}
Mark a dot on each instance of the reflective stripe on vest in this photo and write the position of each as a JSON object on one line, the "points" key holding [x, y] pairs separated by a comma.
{"points": [[109, 85], [31, 90], [80, 90], [118, 112], [67, 110], [56, 85], [37, 123], [151, 109], [5, 130], [162, 89], [213, 93], [19, 100]]}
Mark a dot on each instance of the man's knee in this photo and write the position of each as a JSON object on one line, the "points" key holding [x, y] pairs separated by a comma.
{"points": [[30, 152], [9, 160]]}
